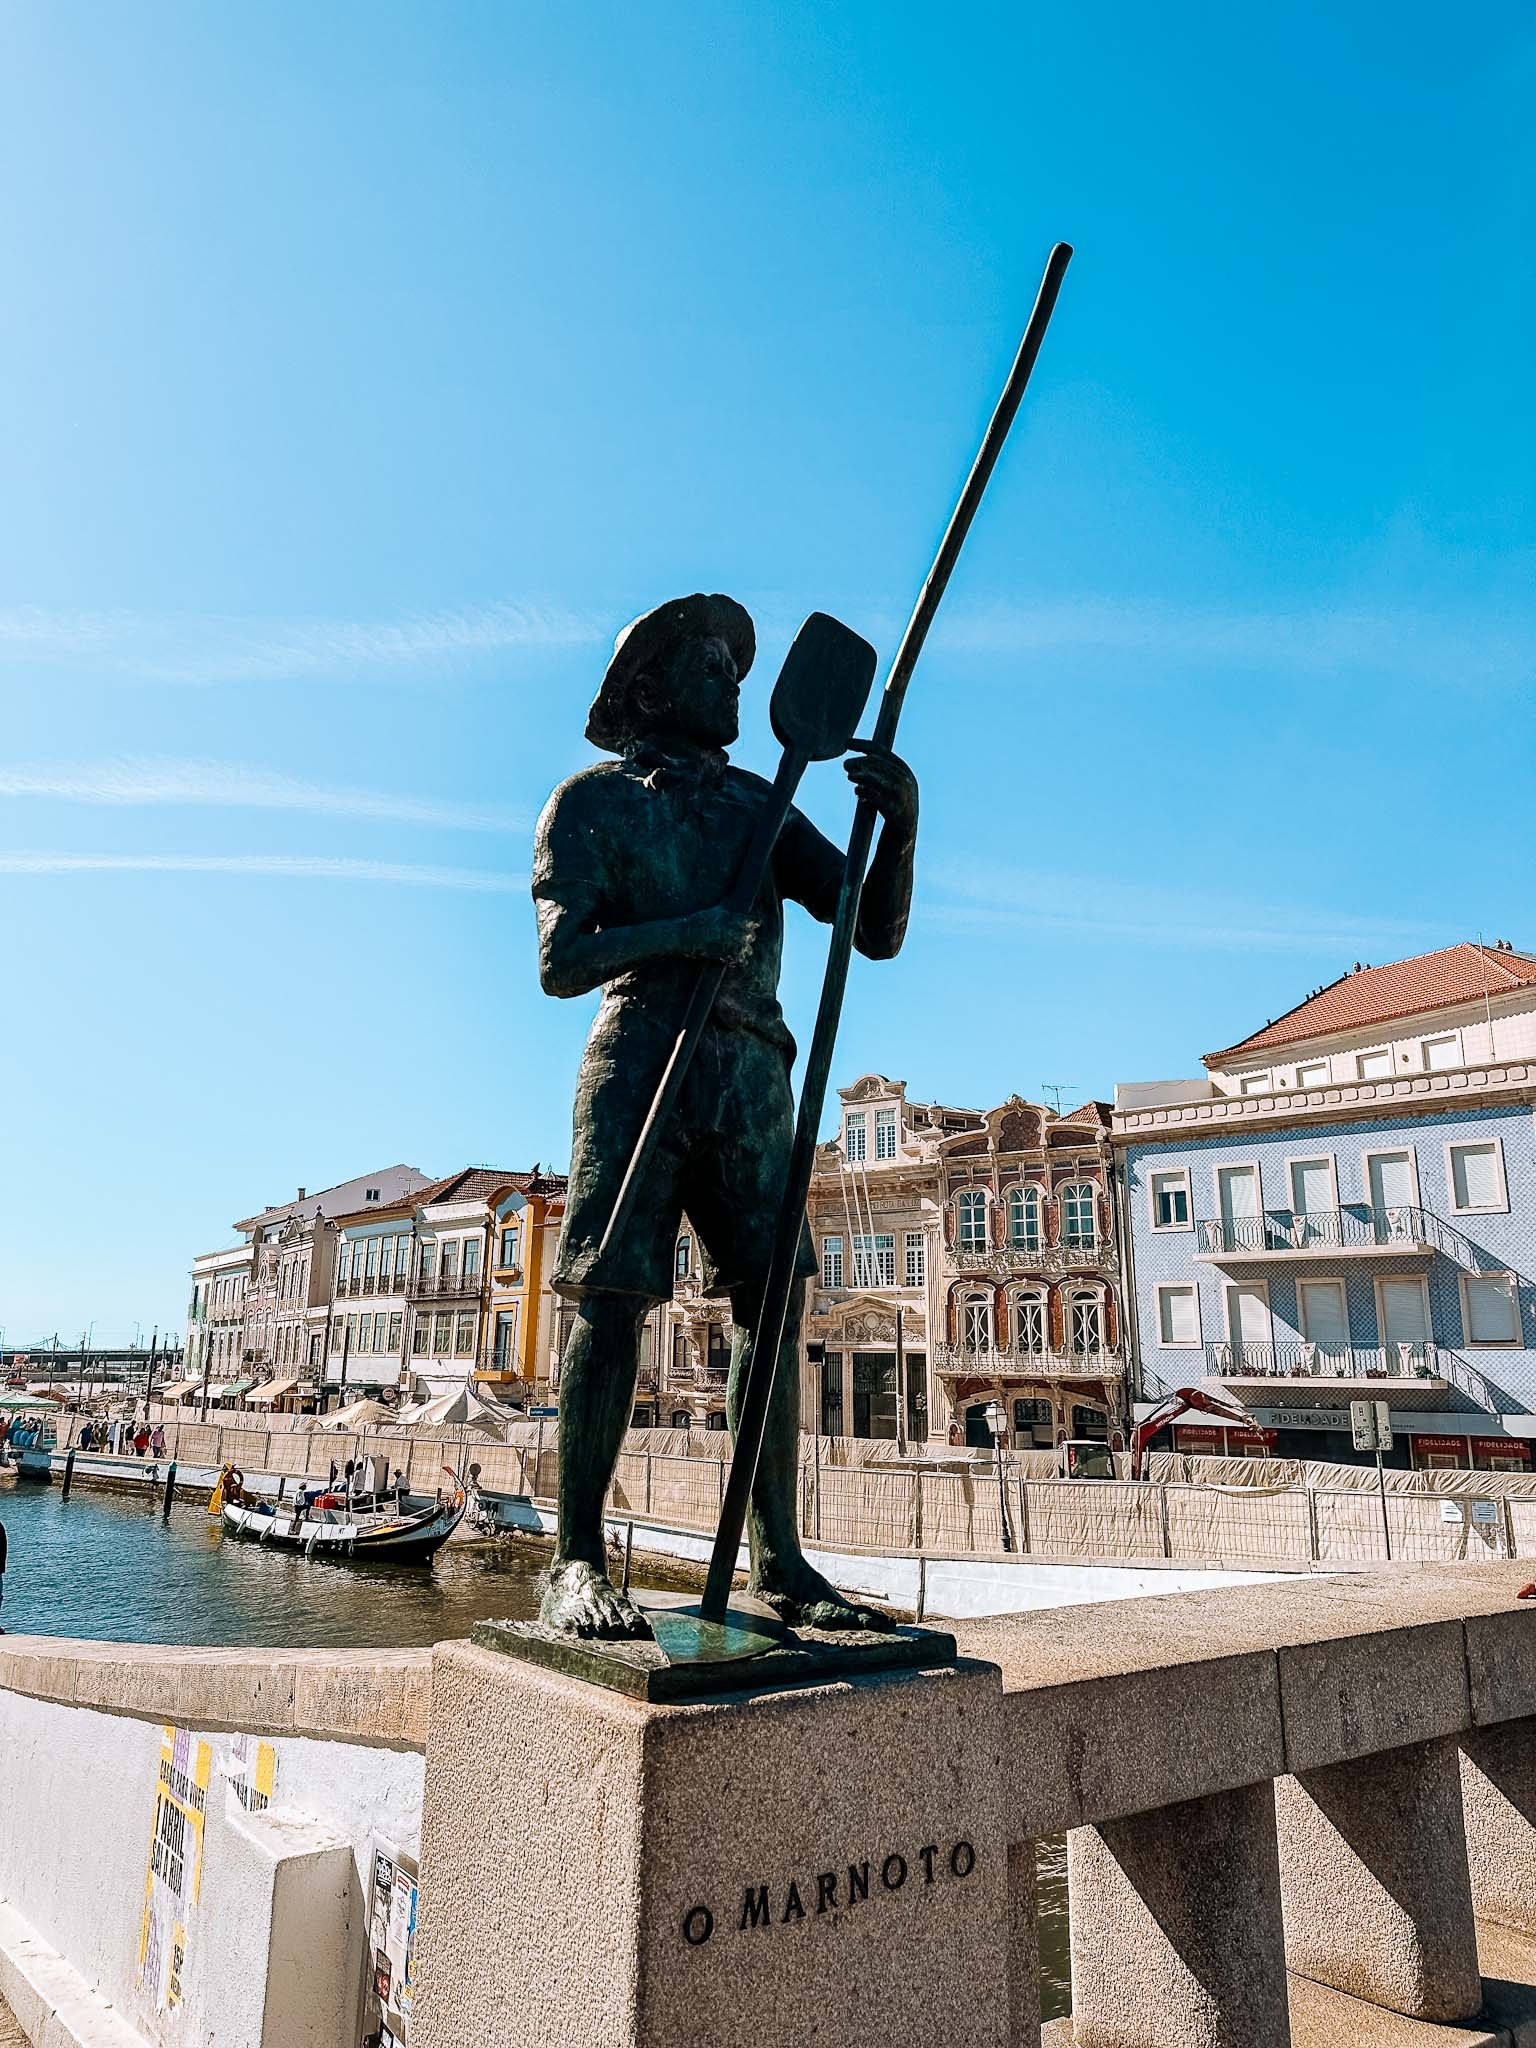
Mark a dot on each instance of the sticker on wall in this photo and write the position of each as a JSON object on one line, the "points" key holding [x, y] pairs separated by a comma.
{"points": [[391, 1939], [173, 1873], [251, 1768]]}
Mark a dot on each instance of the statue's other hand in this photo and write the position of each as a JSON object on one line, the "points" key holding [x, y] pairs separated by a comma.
{"points": [[885, 779], [721, 935]]}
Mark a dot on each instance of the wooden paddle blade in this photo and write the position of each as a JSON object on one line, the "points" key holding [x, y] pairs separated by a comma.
{"points": [[822, 689]]}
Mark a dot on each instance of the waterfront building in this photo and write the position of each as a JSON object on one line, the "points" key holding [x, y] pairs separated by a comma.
{"points": [[1344, 1206], [363, 1342], [282, 1276], [524, 1224], [216, 1317], [478, 1299], [986, 1242]]}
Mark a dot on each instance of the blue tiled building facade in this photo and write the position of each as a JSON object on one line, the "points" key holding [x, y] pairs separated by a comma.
{"points": [[1346, 1209]]}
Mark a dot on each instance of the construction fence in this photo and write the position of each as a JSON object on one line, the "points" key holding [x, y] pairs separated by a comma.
{"points": [[1255, 1514]]}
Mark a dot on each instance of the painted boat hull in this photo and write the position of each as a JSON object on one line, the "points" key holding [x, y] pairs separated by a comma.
{"points": [[406, 1539]]}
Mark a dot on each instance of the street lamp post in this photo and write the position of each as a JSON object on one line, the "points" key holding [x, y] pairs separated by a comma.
{"points": [[997, 1421]]}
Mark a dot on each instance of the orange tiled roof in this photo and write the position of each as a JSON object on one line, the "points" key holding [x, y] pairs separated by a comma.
{"points": [[1404, 988]]}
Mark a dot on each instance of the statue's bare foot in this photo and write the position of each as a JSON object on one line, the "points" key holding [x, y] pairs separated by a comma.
{"points": [[803, 1598], [580, 1601]]}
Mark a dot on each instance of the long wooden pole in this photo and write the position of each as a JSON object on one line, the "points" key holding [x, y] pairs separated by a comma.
{"points": [[762, 1366]]}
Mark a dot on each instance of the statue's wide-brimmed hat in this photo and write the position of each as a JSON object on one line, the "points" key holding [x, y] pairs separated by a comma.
{"points": [[649, 640]]}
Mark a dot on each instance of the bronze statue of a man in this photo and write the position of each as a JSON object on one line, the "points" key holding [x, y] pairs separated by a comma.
{"points": [[632, 861]]}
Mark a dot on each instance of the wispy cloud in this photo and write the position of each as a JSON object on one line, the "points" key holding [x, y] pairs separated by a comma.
{"points": [[297, 867], [1022, 899], [1487, 643], [1491, 646], [195, 648], [134, 779]]}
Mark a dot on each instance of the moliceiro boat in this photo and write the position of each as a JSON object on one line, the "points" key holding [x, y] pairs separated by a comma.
{"points": [[383, 1527]]}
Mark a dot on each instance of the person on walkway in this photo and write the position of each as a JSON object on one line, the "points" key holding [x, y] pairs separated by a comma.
{"points": [[157, 1440], [2, 1568], [84, 1440], [140, 1441]]}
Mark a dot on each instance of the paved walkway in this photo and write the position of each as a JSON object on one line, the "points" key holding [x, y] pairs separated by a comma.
{"points": [[11, 2035]]}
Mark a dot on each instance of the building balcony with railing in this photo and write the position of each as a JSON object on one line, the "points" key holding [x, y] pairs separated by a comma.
{"points": [[1007, 1261], [1355, 1232], [962, 1361], [353, 1286], [452, 1281], [1430, 1367]]}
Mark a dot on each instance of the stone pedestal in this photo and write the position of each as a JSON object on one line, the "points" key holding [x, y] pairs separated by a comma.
{"points": [[1498, 1789], [1176, 1939], [822, 1864], [1373, 1857]]}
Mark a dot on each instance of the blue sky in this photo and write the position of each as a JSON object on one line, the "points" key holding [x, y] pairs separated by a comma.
{"points": [[365, 366]]}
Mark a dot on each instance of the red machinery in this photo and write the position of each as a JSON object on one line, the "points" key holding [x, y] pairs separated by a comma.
{"points": [[1180, 1402]]}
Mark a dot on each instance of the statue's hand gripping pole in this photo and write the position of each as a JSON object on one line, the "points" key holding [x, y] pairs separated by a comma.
{"points": [[762, 1366]]}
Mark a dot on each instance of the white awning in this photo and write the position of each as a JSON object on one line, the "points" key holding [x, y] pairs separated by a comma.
{"points": [[175, 1390], [263, 1397]]}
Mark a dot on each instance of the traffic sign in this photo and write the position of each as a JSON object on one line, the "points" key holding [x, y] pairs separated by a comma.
{"points": [[1371, 1422]]}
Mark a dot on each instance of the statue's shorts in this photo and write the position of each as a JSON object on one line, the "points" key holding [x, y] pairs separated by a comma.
{"points": [[723, 1159]]}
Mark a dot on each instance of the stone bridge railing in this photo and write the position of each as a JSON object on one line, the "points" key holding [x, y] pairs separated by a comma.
{"points": [[1303, 1813], [1295, 1813]]}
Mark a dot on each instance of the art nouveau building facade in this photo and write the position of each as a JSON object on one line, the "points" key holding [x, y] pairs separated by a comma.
{"points": [[987, 1239]]}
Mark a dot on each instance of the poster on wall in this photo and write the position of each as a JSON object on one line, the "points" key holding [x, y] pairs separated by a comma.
{"points": [[391, 1939], [174, 1871]]}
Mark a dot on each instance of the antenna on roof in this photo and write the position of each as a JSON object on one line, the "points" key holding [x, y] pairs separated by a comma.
{"points": [[1052, 1091], [1482, 961]]}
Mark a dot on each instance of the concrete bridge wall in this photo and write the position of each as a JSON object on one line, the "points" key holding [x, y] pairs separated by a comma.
{"points": [[1302, 1812]]}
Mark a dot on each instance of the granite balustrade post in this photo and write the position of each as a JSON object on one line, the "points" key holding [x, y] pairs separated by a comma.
{"points": [[1176, 1927], [1378, 1896], [1498, 1790]]}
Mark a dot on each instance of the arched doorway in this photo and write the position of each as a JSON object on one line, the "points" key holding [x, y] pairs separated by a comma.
{"points": [[978, 1431]]}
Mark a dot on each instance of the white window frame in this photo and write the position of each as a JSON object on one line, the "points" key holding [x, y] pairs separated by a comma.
{"points": [[856, 1124], [833, 1261], [1256, 1084], [1315, 1082], [1451, 1038], [874, 1259], [1084, 1297], [1305, 1280], [1471, 1343], [914, 1241], [1388, 1152], [975, 1298], [1310, 1159], [1180, 1173], [1095, 1192], [1236, 1337], [1385, 1343], [1221, 1166], [887, 1121], [1195, 1343], [1498, 1208], [962, 1244], [1371, 1052], [1021, 1191], [1032, 1297]]}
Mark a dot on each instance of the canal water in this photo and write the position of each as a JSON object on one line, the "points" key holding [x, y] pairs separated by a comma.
{"points": [[106, 1565]]}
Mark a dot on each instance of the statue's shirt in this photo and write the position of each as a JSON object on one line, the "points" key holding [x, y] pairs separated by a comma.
{"points": [[642, 842]]}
